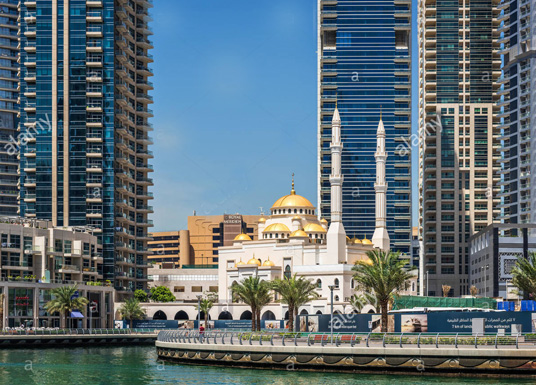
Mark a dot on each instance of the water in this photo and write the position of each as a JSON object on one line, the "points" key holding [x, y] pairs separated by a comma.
{"points": [[139, 365]]}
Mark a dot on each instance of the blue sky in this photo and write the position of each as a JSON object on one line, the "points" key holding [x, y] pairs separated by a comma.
{"points": [[235, 106]]}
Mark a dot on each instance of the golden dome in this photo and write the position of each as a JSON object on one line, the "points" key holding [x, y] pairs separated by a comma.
{"points": [[323, 221], [277, 228], [268, 262], [239, 263], [254, 261], [292, 200], [348, 239], [242, 237], [366, 241], [368, 261], [314, 228], [296, 218], [357, 241], [262, 219], [299, 234]]}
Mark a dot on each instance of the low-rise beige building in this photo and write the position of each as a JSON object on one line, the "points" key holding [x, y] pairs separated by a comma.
{"points": [[36, 258]]}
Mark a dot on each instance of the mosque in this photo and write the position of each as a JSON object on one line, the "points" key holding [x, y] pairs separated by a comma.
{"points": [[292, 240]]}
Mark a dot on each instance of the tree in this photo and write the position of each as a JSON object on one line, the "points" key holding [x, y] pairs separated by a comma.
{"points": [[253, 292], [131, 310], [161, 294], [358, 302], [524, 275], [446, 290], [141, 295], [295, 292], [383, 275], [473, 290], [65, 301], [205, 305]]}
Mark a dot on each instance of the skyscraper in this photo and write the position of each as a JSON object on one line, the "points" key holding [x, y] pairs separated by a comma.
{"points": [[458, 126], [364, 66], [84, 113], [518, 50], [8, 107]]}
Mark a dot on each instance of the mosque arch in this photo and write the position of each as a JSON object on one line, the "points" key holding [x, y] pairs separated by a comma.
{"points": [[160, 315], [268, 315], [246, 315], [225, 315], [304, 312], [181, 316]]}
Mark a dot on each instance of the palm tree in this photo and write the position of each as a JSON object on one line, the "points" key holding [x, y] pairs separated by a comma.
{"points": [[205, 306], [358, 302], [131, 310], [384, 274], [65, 301], [524, 275], [253, 292], [295, 292]]}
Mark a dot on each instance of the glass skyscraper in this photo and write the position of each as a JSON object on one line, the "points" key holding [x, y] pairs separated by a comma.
{"points": [[518, 125], [8, 107], [84, 115], [458, 126], [364, 66]]}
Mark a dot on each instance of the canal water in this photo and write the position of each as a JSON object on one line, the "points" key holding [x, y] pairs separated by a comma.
{"points": [[140, 365]]}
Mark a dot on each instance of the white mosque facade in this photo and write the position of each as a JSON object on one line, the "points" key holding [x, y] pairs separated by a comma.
{"points": [[293, 240]]}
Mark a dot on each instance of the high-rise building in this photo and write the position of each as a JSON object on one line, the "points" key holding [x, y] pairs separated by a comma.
{"points": [[198, 246], [8, 107], [364, 67], [518, 126], [458, 127], [84, 112]]}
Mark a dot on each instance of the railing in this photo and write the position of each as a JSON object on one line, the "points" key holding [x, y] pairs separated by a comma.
{"points": [[358, 340], [70, 332]]}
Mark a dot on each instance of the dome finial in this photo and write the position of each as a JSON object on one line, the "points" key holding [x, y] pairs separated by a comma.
{"points": [[292, 192]]}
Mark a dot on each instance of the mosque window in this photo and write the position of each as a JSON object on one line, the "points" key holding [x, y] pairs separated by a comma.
{"points": [[276, 235], [352, 283], [301, 211], [336, 298], [336, 283], [288, 273], [318, 284], [295, 211]]}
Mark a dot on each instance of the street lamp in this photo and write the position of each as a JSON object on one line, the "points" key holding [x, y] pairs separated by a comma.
{"points": [[331, 287], [486, 281], [198, 311]]}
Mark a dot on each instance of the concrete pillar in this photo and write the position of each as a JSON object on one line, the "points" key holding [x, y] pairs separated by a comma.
{"points": [[184, 248]]}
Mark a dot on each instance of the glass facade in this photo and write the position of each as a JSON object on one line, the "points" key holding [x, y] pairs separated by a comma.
{"points": [[364, 67], [518, 184], [84, 114], [9, 148]]}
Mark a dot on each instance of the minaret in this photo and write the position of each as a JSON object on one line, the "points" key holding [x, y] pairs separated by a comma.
{"points": [[380, 239], [336, 237]]}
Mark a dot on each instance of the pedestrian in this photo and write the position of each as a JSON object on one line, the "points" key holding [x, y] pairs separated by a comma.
{"points": [[201, 332]]}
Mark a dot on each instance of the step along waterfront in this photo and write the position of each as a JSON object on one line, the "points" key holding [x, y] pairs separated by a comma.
{"points": [[452, 354]]}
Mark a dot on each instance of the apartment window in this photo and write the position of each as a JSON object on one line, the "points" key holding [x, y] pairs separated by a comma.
{"points": [[330, 39], [197, 289], [178, 289]]}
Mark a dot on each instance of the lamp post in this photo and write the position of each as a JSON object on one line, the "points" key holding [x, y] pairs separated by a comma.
{"points": [[331, 287], [486, 281], [198, 311]]}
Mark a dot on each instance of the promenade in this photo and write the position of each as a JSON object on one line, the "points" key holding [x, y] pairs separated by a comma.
{"points": [[75, 337], [450, 354]]}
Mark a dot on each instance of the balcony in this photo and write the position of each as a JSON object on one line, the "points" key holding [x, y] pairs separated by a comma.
{"points": [[94, 31], [67, 269]]}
